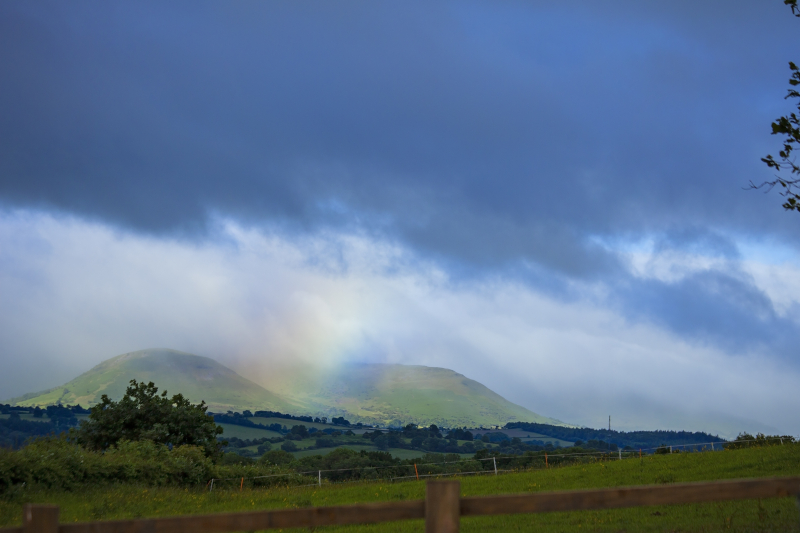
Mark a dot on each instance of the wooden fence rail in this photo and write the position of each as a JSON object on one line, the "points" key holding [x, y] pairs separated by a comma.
{"points": [[441, 509]]}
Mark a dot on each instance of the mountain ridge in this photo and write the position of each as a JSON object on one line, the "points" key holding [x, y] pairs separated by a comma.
{"points": [[196, 377], [380, 393], [374, 393]]}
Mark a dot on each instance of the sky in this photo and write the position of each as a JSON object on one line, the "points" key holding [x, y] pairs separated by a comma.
{"points": [[550, 198]]}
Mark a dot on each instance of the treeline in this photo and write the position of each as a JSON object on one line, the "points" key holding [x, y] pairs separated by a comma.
{"points": [[325, 438], [16, 431], [146, 463], [54, 412], [70, 466], [631, 439], [430, 440], [746, 440], [277, 414], [243, 418], [239, 420]]}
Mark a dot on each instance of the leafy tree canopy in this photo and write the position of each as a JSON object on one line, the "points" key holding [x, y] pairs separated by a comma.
{"points": [[143, 414], [789, 127]]}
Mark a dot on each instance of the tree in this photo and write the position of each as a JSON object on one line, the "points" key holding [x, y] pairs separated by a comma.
{"points": [[143, 414], [289, 446], [789, 126], [300, 431]]}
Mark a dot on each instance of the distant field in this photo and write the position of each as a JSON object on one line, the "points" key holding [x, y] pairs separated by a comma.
{"points": [[288, 423], [243, 432], [522, 434], [355, 444], [779, 514], [402, 453], [44, 418]]}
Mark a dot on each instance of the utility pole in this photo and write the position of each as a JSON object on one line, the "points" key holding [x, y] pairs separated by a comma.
{"points": [[609, 422]]}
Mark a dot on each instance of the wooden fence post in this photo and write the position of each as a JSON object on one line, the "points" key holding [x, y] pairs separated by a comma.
{"points": [[442, 506], [40, 518]]}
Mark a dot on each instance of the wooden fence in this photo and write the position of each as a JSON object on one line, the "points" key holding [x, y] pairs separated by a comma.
{"points": [[442, 508]]}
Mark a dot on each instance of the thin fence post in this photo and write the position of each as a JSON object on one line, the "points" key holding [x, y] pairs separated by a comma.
{"points": [[712, 446], [494, 460], [620, 454], [319, 477], [670, 449], [798, 501], [442, 506], [40, 518]]}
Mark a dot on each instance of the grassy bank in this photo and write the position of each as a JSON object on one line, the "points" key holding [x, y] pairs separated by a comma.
{"points": [[127, 501]]}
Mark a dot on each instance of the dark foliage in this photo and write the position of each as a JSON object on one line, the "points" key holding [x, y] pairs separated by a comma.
{"points": [[634, 439], [289, 446], [239, 420], [276, 414], [460, 434], [69, 466], [15, 432], [746, 440], [277, 457], [325, 442], [143, 414], [301, 431], [238, 446], [789, 127]]}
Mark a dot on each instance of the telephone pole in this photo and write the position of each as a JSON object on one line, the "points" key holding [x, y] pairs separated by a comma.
{"points": [[609, 422]]}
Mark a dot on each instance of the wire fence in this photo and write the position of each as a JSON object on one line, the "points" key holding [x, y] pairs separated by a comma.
{"points": [[492, 465]]}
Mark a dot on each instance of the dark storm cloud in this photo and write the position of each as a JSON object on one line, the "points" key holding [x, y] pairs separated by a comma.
{"points": [[486, 135], [714, 307]]}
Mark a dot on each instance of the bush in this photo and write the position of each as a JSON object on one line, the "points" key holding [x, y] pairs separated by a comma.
{"points": [[289, 446], [745, 440], [300, 431], [277, 457], [143, 414], [326, 442], [57, 463], [264, 448], [236, 459]]}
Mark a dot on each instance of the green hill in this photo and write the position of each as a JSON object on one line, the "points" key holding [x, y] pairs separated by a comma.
{"points": [[382, 394], [393, 394], [197, 378]]}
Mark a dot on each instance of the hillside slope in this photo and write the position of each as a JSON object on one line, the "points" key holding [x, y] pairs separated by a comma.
{"points": [[394, 394], [197, 378], [372, 393]]}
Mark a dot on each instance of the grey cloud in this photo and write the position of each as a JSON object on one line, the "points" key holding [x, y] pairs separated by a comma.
{"points": [[724, 309], [699, 241], [490, 137], [152, 124]]}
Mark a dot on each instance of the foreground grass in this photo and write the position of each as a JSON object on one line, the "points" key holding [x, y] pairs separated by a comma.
{"points": [[95, 503]]}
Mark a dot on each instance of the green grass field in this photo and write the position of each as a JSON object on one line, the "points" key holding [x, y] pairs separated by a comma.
{"points": [[95, 503], [244, 432]]}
